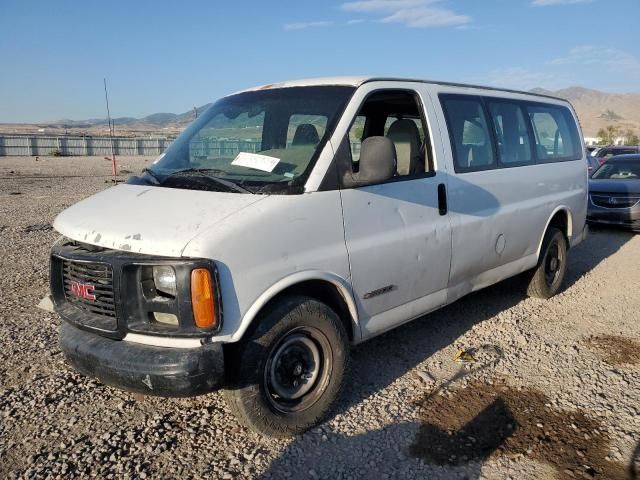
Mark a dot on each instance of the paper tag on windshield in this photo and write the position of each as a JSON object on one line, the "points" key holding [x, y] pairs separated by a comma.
{"points": [[254, 160]]}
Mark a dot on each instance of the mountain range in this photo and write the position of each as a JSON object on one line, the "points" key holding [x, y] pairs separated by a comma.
{"points": [[158, 119], [596, 109]]}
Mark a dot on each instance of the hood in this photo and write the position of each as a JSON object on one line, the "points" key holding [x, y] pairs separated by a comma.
{"points": [[614, 186], [151, 220]]}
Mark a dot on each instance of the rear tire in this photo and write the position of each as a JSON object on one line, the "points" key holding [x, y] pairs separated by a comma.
{"points": [[288, 373], [546, 278]]}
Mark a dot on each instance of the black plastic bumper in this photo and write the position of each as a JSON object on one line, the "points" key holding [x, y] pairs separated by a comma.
{"points": [[624, 219], [165, 372]]}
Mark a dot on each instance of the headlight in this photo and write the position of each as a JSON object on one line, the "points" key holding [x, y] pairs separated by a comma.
{"points": [[164, 278]]}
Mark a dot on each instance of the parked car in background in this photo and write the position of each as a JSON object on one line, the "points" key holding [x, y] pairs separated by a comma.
{"points": [[604, 153], [614, 193], [592, 164]]}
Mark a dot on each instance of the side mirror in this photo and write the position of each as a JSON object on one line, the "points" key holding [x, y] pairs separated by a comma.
{"points": [[377, 163]]}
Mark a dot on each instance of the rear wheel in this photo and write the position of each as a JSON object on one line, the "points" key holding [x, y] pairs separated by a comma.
{"points": [[546, 279], [286, 376]]}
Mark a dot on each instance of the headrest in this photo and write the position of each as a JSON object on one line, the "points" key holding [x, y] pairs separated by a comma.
{"points": [[306, 134], [404, 130], [406, 137]]}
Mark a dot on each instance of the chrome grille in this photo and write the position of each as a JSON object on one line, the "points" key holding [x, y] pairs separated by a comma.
{"points": [[99, 278], [614, 200]]}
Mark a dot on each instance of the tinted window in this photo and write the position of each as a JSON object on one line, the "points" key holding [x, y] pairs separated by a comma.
{"points": [[619, 170], [469, 133], [555, 133], [618, 151], [512, 137]]}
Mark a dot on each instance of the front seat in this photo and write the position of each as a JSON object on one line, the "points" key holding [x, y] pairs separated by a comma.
{"points": [[405, 136], [306, 134]]}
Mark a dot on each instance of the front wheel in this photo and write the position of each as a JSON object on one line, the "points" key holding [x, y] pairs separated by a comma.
{"points": [[286, 376], [545, 280]]}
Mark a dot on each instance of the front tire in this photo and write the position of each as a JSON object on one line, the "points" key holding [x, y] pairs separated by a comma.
{"points": [[287, 375], [546, 279]]}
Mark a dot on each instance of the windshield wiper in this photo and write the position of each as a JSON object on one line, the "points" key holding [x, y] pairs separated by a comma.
{"points": [[153, 175], [209, 174]]}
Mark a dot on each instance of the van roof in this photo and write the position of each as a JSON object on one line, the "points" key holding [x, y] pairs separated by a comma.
{"points": [[356, 81]]}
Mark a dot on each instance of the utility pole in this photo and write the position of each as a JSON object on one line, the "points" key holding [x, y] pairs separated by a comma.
{"points": [[113, 150]]}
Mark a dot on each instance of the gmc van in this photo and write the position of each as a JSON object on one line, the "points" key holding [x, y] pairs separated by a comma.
{"points": [[293, 220]]}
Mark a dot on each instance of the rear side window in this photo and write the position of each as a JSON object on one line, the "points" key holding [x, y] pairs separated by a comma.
{"points": [[555, 132], [512, 135], [470, 137]]}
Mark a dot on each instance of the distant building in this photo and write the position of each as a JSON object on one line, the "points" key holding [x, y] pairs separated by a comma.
{"points": [[591, 141]]}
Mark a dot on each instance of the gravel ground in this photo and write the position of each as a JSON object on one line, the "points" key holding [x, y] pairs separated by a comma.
{"points": [[554, 391]]}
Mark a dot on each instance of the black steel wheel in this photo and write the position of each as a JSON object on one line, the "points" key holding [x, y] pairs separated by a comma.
{"points": [[286, 376], [545, 280], [553, 263], [298, 369]]}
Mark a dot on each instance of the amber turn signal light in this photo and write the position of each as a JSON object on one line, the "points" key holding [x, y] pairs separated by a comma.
{"points": [[202, 299]]}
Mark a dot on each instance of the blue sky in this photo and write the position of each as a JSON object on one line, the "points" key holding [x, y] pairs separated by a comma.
{"points": [[167, 56]]}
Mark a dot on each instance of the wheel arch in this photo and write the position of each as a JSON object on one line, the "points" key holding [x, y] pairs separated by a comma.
{"points": [[561, 218], [326, 287]]}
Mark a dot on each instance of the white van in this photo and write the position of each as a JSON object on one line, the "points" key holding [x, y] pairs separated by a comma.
{"points": [[293, 220]]}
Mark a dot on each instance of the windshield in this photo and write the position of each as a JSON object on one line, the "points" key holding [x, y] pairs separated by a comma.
{"points": [[619, 170], [258, 141]]}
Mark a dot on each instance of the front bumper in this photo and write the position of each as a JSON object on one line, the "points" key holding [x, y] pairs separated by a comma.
{"points": [[150, 370], [626, 218]]}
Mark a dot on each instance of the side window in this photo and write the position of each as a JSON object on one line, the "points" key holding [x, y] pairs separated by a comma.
{"points": [[606, 154], [469, 133], [555, 133], [355, 136], [623, 151], [396, 115], [305, 130], [512, 137]]}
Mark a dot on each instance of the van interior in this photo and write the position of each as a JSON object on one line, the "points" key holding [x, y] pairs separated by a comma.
{"points": [[396, 115]]}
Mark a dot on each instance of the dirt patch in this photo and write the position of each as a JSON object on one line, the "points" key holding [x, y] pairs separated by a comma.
{"points": [[480, 421], [616, 350]]}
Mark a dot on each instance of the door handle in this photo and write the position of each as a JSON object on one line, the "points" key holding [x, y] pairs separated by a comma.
{"points": [[442, 199]]}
